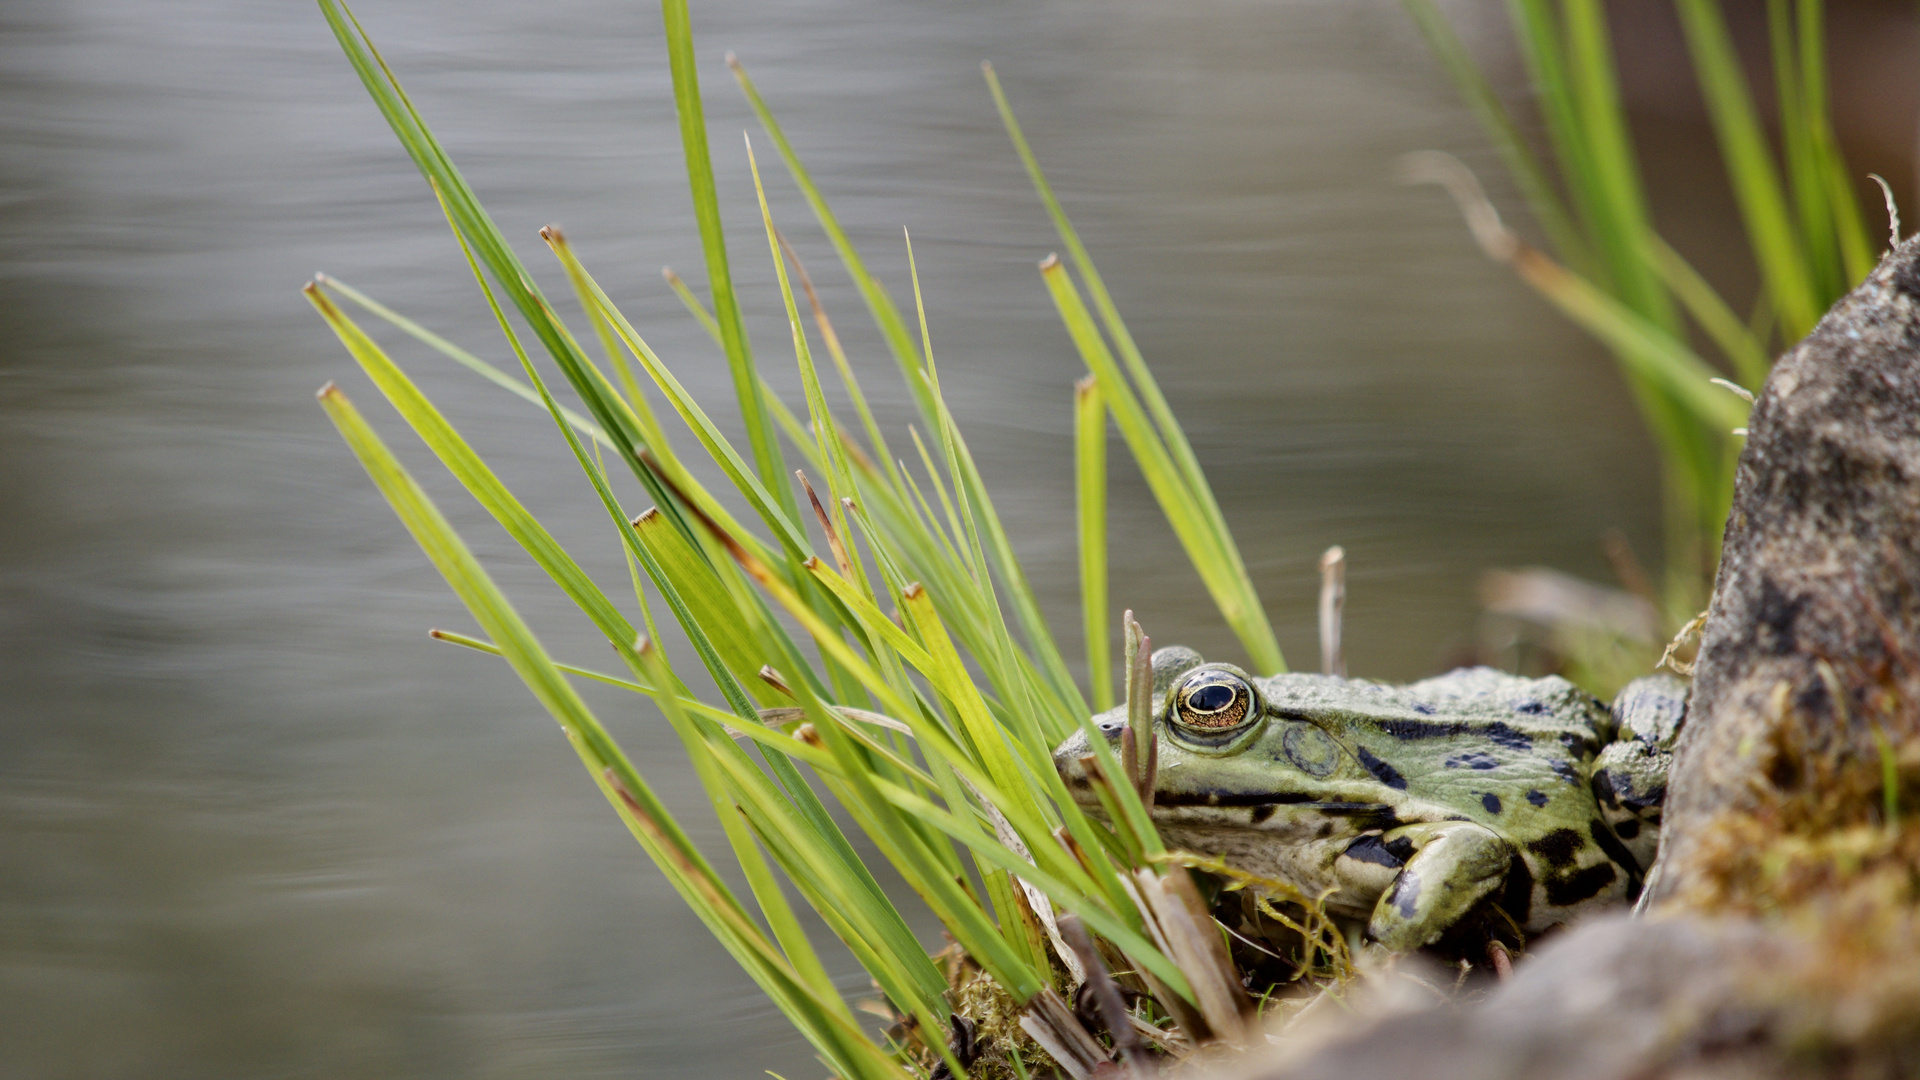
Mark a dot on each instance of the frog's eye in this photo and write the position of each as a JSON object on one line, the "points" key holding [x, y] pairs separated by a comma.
{"points": [[1212, 701]]}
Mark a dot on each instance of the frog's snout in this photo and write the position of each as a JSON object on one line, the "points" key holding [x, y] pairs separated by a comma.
{"points": [[1066, 760], [1067, 756]]}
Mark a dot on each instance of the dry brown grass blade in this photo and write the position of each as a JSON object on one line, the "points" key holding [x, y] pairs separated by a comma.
{"points": [[1051, 1024], [1106, 996], [1184, 931]]}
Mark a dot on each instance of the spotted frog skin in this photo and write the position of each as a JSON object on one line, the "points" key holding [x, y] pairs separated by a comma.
{"points": [[1409, 806]]}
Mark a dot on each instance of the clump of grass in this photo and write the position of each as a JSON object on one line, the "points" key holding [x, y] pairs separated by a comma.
{"points": [[867, 627]]}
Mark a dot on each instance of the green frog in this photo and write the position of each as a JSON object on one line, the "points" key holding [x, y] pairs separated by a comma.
{"points": [[1409, 807]]}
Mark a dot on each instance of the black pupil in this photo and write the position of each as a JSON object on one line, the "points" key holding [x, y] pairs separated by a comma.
{"points": [[1211, 698]]}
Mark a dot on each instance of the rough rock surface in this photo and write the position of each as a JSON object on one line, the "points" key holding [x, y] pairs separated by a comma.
{"points": [[1646, 994], [1821, 563]]}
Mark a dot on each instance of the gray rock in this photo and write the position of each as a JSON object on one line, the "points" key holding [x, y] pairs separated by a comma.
{"points": [[1821, 564], [1618, 997]]}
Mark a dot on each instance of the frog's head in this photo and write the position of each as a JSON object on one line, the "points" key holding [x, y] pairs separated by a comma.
{"points": [[1220, 743]]}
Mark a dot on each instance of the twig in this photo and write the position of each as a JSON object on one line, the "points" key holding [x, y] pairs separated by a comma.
{"points": [[1333, 601], [1106, 995]]}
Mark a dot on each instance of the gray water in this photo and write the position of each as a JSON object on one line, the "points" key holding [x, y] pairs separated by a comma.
{"points": [[254, 824]]}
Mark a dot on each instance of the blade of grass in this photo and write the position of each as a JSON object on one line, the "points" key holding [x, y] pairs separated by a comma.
{"points": [[838, 1040], [1231, 592], [825, 431], [713, 242], [1103, 921], [480, 481], [1243, 611], [1856, 251], [1615, 174], [893, 328], [839, 354], [473, 474], [1090, 471], [1035, 730], [1508, 141], [1537, 29], [1645, 349], [1806, 178], [764, 502], [459, 355], [636, 398], [708, 601], [960, 912], [1728, 331], [1756, 184]]}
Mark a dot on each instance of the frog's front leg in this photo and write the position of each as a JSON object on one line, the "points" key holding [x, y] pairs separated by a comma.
{"points": [[1455, 865]]}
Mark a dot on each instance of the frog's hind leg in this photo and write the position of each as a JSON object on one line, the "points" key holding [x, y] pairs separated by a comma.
{"points": [[1456, 865]]}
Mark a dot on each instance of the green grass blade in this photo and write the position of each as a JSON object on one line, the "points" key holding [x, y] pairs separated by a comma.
{"points": [[839, 1041], [872, 931], [844, 896], [893, 328], [1103, 921], [693, 305], [635, 397], [637, 553], [706, 747], [1031, 726], [693, 706], [473, 474], [1756, 185], [959, 910], [1615, 174], [777, 517], [1537, 29], [825, 431], [709, 603], [1727, 330], [1231, 593], [1090, 472], [840, 362], [1646, 350], [1016, 925], [460, 356], [713, 242], [1856, 249], [782, 416], [1256, 634], [1535, 186], [1806, 180]]}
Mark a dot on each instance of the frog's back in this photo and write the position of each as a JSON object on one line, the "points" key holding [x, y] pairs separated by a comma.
{"points": [[1511, 753], [1471, 704], [1473, 740]]}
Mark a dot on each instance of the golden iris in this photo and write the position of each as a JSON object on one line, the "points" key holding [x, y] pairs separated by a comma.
{"points": [[1213, 701]]}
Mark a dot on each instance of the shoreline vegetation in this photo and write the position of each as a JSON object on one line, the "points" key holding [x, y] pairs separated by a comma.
{"points": [[878, 655]]}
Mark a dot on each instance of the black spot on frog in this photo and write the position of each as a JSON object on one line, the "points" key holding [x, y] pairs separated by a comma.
{"points": [[1382, 771]]}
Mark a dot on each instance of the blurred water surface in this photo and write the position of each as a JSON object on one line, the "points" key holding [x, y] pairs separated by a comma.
{"points": [[253, 823]]}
